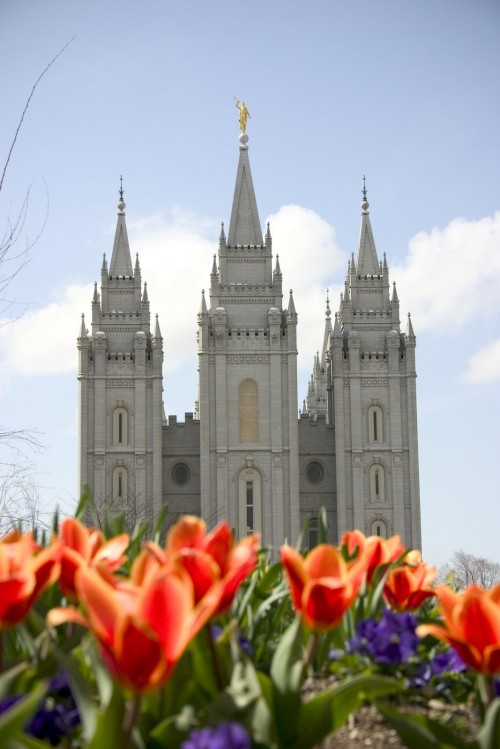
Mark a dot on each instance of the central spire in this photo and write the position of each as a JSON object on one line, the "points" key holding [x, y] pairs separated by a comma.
{"points": [[244, 226]]}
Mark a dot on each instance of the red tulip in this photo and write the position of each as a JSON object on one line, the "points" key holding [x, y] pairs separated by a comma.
{"points": [[142, 631], [375, 549], [207, 558], [83, 545], [323, 585], [26, 570], [471, 626], [409, 585]]}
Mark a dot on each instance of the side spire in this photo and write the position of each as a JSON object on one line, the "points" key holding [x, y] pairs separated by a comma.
{"points": [[121, 262], [367, 263]]}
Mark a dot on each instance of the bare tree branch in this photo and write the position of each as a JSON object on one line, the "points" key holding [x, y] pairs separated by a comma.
{"points": [[12, 146]]}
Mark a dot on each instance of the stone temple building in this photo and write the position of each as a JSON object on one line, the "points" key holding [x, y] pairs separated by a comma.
{"points": [[246, 454]]}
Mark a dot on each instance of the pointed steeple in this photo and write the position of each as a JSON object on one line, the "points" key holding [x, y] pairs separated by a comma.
{"points": [[409, 329], [367, 254], [157, 328], [203, 305], [83, 329], [244, 226], [291, 305], [145, 299], [269, 239], [277, 267], [214, 266], [395, 298], [121, 262]]}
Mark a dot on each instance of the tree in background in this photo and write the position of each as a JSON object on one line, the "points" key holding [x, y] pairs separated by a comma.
{"points": [[464, 569]]}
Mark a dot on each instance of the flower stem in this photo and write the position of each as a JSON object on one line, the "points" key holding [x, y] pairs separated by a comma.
{"points": [[130, 720], [486, 690], [221, 683], [309, 651]]}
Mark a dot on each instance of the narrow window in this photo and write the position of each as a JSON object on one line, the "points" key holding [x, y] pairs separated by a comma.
{"points": [[120, 484], [249, 491], [375, 424], [312, 533], [120, 426], [377, 484], [249, 502]]}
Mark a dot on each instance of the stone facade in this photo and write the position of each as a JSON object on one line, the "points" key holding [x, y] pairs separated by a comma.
{"points": [[246, 455]]}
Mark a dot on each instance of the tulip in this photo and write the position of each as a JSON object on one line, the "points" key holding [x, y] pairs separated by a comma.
{"points": [[471, 625], [207, 558], [142, 631], [26, 570], [81, 545], [409, 585], [323, 585], [375, 550]]}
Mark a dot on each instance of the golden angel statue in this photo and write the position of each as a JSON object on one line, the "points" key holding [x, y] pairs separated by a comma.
{"points": [[244, 114]]}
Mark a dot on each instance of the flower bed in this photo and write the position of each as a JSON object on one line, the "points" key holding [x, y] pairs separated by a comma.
{"points": [[201, 642]]}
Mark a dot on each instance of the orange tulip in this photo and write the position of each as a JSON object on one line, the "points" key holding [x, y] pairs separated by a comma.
{"points": [[375, 549], [409, 585], [323, 585], [26, 570], [207, 558], [142, 631], [83, 545], [471, 626]]}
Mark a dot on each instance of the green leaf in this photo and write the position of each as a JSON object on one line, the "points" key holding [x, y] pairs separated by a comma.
{"points": [[322, 526], [8, 678], [109, 730], [81, 692], [489, 735], [422, 732], [86, 501], [13, 721], [286, 676]]}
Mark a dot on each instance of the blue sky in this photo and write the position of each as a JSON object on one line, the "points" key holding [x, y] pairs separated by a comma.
{"points": [[405, 93]]}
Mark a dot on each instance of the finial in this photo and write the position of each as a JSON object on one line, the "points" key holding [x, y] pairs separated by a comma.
{"points": [[121, 203], [364, 203]]}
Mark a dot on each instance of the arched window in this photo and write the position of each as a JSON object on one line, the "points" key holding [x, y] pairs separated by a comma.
{"points": [[377, 483], [120, 483], [250, 502], [120, 426], [312, 533], [375, 424], [379, 528], [249, 411]]}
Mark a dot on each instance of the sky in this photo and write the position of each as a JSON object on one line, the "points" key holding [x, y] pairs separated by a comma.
{"points": [[403, 92]]}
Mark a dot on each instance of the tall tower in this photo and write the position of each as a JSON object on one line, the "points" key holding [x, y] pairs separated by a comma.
{"points": [[373, 407], [247, 346], [120, 390]]}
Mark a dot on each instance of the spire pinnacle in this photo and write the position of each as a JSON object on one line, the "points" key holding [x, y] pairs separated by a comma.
{"points": [[244, 226], [367, 264], [83, 329], [203, 305], [121, 203], [277, 269], [328, 310], [222, 236], [121, 262], [214, 266]]}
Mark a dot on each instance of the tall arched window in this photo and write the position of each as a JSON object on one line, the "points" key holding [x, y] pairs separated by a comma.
{"points": [[379, 528], [377, 483], [250, 502], [375, 424], [120, 426], [312, 533], [249, 411], [120, 483]]}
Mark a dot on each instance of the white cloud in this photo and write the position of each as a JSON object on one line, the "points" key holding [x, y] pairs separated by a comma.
{"points": [[310, 259], [451, 276], [43, 341], [484, 366]]}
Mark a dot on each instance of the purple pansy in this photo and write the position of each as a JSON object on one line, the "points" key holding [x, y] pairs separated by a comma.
{"points": [[391, 640], [224, 736]]}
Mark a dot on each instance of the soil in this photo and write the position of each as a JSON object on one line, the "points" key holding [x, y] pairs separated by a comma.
{"points": [[367, 727]]}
